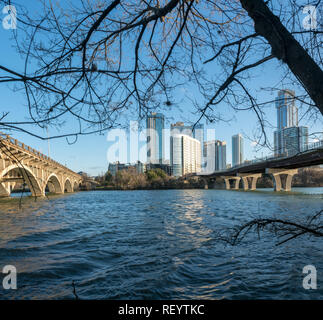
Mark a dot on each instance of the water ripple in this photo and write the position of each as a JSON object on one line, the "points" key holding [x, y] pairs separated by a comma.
{"points": [[155, 245]]}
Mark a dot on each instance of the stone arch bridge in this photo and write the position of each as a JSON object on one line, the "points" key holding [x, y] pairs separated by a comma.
{"points": [[22, 164]]}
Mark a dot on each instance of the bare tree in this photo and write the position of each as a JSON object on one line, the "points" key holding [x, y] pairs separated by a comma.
{"points": [[284, 229], [97, 61]]}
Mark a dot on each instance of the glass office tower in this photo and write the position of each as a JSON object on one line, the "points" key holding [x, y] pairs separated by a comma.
{"points": [[155, 126], [287, 112], [237, 149], [215, 155]]}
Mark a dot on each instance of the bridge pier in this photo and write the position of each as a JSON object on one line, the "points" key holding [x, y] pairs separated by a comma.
{"points": [[38, 193], [4, 189], [227, 182], [206, 185], [254, 177], [209, 183], [245, 183], [276, 174]]}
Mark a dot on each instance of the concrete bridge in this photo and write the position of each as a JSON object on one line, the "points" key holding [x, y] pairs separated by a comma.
{"points": [[22, 164], [277, 167]]}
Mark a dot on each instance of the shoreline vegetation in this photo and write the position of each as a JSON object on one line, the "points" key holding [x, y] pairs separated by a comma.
{"points": [[157, 179]]}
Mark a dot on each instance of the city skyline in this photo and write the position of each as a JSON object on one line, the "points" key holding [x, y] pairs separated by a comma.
{"points": [[186, 126], [287, 113], [184, 141], [94, 161]]}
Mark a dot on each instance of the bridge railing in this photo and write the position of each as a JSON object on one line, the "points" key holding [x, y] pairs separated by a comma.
{"points": [[16, 142], [313, 145], [308, 147], [303, 149]]}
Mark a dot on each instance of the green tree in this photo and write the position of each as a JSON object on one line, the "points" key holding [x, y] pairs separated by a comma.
{"points": [[108, 177], [151, 175], [160, 173]]}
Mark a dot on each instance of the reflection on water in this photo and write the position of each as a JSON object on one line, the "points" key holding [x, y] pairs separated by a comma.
{"points": [[155, 245]]}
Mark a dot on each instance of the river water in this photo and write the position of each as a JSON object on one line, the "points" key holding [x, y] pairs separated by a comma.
{"points": [[160, 244]]}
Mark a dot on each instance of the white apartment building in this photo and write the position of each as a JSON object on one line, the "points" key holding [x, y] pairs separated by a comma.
{"points": [[185, 154]]}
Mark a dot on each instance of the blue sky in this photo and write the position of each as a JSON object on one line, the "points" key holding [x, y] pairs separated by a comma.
{"points": [[89, 153]]}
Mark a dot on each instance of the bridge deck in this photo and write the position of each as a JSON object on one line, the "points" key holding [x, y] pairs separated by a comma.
{"points": [[304, 159], [14, 147]]}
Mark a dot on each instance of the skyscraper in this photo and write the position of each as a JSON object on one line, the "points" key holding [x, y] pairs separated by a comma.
{"points": [[290, 141], [237, 149], [215, 155], [287, 112], [198, 133], [185, 154], [289, 138], [155, 126]]}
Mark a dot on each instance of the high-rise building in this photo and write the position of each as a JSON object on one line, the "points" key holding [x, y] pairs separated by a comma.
{"points": [[289, 138], [176, 155], [155, 126], [287, 112], [290, 141], [196, 132], [237, 149], [185, 154], [215, 155]]}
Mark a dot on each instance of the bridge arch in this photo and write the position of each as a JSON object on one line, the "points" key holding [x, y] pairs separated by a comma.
{"points": [[53, 184], [75, 186], [28, 177], [68, 185]]}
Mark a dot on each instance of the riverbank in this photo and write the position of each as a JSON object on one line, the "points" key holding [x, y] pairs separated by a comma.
{"points": [[157, 179]]}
